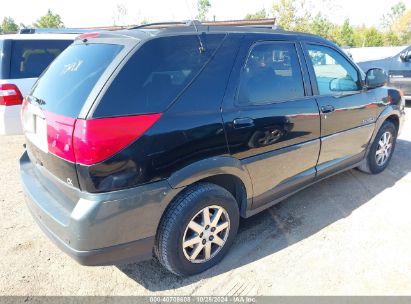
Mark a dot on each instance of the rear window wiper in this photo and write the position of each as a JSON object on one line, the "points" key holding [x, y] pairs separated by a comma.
{"points": [[39, 101]]}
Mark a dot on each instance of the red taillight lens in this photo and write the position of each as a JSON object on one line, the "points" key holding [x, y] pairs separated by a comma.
{"points": [[91, 141], [10, 95], [95, 140], [60, 135]]}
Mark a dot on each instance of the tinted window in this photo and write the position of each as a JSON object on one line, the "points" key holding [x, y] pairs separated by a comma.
{"points": [[2, 61], [333, 72], [156, 74], [66, 84], [272, 73], [31, 57]]}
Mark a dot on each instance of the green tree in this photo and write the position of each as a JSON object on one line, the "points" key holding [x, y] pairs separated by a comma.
{"points": [[202, 7], [292, 15], [345, 35], [49, 20], [8, 26], [391, 39], [368, 37], [262, 14], [373, 37], [323, 27]]}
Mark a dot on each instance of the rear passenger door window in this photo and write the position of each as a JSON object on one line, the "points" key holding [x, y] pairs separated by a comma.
{"points": [[271, 74], [31, 57], [335, 75]]}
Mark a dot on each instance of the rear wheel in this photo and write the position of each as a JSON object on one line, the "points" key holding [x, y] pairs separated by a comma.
{"points": [[197, 230], [381, 149]]}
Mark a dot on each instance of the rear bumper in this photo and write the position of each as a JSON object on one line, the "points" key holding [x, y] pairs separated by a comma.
{"points": [[95, 229], [135, 251], [10, 123]]}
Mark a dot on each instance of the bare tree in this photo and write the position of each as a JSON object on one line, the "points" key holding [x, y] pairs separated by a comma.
{"points": [[118, 14]]}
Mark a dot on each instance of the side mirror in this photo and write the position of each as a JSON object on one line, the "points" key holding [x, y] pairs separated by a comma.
{"points": [[375, 78], [405, 56]]}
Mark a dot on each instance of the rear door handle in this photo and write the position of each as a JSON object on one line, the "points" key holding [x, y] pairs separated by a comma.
{"points": [[327, 109], [245, 122]]}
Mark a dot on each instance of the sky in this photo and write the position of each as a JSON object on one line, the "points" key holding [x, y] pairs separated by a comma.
{"points": [[88, 13]]}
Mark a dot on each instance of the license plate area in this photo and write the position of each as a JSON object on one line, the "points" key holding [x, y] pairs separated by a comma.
{"points": [[35, 126]]}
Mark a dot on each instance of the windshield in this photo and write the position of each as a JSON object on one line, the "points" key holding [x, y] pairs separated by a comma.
{"points": [[66, 84]]}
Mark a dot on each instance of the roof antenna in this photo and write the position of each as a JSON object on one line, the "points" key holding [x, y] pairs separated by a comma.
{"points": [[194, 23], [201, 48]]}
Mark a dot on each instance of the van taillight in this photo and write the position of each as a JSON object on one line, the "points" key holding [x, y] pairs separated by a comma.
{"points": [[60, 135], [10, 95], [95, 140], [89, 141]]}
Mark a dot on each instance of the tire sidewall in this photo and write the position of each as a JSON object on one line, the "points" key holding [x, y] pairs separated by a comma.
{"points": [[214, 196]]}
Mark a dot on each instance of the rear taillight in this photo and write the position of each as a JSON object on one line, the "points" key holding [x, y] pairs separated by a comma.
{"points": [[95, 140], [10, 95], [60, 135], [89, 141]]}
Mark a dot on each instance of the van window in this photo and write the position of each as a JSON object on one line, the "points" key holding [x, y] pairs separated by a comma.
{"points": [[3, 69], [31, 57], [272, 73], [156, 74], [65, 86]]}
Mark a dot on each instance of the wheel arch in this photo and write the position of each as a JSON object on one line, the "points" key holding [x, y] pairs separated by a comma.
{"points": [[226, 172], [388, 114], [395, 120]]}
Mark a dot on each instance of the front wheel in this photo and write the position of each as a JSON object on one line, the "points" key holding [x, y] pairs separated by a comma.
{"points": [[197, 230], [381, 149]]}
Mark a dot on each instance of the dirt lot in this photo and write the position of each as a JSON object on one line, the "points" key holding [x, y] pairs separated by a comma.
{"points": [[347, 235]]}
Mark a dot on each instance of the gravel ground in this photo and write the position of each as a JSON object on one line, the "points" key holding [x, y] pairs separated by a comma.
{"points": [[349, 234]]}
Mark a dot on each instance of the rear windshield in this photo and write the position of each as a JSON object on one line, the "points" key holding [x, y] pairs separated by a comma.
{"points": [[31, 57], [156, 74], [65, 86]]}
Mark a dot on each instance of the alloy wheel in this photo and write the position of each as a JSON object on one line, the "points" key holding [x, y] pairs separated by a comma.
{"points": [[206, 234], [384, 148]]}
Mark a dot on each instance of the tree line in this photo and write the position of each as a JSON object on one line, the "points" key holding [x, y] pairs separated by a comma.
{"points": [[49, 20], [394, 28], [294, 15]]}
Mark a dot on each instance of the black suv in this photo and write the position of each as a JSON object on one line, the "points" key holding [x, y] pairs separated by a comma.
{"points": [[156, 141]]}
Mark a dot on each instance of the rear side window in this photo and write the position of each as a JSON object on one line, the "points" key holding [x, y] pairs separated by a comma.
{"points": [[156, 74], [272, 73], [67, 83], [31, 57]]}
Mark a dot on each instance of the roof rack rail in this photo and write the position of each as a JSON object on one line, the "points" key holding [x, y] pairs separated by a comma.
{"points": [[259, 23], [53, 31], [264, 23], [165, 24]]}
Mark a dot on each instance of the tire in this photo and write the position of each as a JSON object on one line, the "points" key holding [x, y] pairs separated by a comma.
{"points": [[186, 210], [373, 164]]}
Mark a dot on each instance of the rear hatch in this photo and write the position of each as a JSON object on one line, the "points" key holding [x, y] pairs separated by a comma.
{"points": [[100, 96], [63, 96]]}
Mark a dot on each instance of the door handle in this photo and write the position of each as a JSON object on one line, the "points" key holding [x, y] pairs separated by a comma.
{"points": [[327, 109], [245, 122]]}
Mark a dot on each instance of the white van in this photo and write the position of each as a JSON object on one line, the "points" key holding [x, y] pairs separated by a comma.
{"points": [[23, 57]]}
